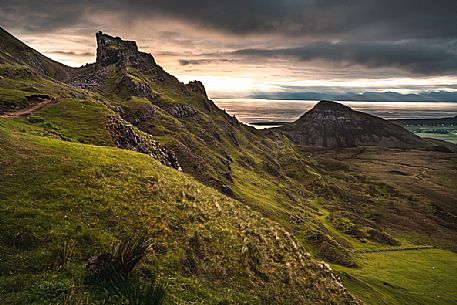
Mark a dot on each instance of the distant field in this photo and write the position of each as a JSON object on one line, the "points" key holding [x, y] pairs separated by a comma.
{"points": [[446, 133], [404, 277]]}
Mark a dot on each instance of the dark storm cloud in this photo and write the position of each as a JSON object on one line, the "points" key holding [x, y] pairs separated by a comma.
{"points": [[368, 31], [38, 16], [381, 19], [422, 57]]}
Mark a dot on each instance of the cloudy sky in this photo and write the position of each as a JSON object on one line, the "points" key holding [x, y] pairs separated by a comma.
{"points": [[245, 48]]}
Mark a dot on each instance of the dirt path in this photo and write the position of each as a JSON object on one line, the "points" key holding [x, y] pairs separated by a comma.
{"points": [[27, 111], [394, 250]]}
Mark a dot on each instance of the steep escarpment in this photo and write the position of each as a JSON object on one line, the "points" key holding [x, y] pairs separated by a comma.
{"points": [[128, 137], [333, 125], [206, 140]]}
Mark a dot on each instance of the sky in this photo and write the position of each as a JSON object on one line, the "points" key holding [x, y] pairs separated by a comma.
{"points": [[263, 48]]}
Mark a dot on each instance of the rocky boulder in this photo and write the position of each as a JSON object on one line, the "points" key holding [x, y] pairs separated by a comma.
{"points": [[138, 115], [135, 87]]}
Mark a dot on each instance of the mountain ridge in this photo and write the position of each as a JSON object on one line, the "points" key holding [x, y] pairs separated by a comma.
{"points": [[13, 51]]}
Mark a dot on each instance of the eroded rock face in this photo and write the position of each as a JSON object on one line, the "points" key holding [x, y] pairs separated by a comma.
{"points": [[128, 137], [180, 110], [333, 125], [114, 50], [89, 78]]}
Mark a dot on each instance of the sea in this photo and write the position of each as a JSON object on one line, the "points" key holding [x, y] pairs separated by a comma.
{"points": [[251, 111]]}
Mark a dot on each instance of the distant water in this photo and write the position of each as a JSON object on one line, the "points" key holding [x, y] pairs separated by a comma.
{"points": [[260, 110]]}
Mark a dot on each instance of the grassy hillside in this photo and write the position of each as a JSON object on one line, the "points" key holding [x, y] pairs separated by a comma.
{"points": [[208, 247]]}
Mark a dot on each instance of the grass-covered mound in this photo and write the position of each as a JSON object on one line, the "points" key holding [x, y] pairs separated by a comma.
{"points": [[209, 248]]}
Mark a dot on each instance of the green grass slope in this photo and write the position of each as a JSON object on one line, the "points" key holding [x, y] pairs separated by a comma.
{"points": [[209, 248], [404, 277]]}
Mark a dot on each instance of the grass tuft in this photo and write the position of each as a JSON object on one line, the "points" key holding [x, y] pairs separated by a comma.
{"points": [[122, 259]]}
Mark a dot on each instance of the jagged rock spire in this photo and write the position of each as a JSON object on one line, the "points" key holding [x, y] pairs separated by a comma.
{"points": [[114, 50]]}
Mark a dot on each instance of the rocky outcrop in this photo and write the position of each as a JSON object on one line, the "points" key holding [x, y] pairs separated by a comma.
{"points": [[114, 50], [88, 77], [138, 115], [197, 87], [135, 87], [124, 55], [333, 125], [180, 110], [128, 137]]}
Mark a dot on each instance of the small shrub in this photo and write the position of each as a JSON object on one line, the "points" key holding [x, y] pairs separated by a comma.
{"points": [[122, 259]]}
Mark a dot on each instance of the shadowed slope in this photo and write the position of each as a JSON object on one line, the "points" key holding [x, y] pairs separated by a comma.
{"points": [[15, 52]]}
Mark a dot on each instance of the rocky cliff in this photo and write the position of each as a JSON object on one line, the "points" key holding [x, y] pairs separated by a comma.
{"points": [[114, 50]]}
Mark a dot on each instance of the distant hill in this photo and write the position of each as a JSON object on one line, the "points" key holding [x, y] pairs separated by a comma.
{"points": [[434, 96], [333, 125], [427, 122]]}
